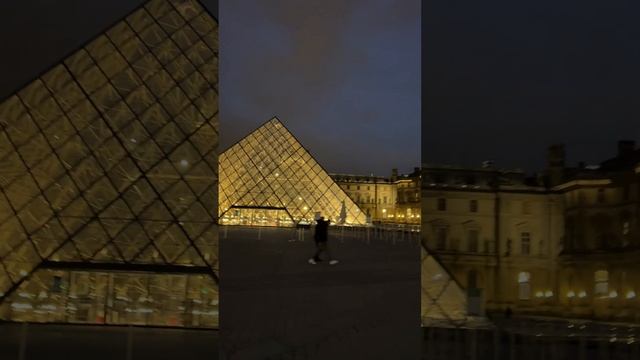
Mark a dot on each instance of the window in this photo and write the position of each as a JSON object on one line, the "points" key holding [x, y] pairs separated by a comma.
{"points": [[473, 205], [442, 204], [525, 243], [441, 238], [358, 187], [384, 201], [488, 246], [472, 241], [600, 196], [472, 279], [601, 278], [524, 286], [368, 187], [625, 228], [348, 187]]}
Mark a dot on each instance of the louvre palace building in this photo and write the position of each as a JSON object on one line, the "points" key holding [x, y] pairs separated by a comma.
{"points": [[564, 243]]}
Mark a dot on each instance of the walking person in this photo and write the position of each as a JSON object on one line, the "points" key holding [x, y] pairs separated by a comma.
{"points": [[321, 236]]}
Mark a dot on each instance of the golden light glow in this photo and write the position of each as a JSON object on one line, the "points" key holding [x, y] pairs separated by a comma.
{"points": [[288, 173], [113, 165]]}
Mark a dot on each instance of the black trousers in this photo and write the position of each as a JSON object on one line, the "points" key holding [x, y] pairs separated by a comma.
{"points": [[322, 246]]}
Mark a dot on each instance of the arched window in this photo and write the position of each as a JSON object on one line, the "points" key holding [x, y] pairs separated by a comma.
{"points": [[601, 279], [524, 285]]}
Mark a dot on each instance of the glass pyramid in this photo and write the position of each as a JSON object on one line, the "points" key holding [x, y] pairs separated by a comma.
{"points": [[444, 302], [269, 179], [108, 188]]}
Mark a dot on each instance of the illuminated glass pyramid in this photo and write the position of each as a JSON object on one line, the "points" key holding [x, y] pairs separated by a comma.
{"points": [[108, 188], [444, 302], [269, 179]]}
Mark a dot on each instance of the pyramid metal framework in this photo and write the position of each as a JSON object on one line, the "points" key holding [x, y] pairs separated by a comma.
{"points": [[108, 180], [444, 302], [269, 178]]}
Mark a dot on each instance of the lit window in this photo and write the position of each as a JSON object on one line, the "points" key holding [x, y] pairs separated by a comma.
{"points": [[524, 286], [601, 278], [525, 243], [442, 204]]}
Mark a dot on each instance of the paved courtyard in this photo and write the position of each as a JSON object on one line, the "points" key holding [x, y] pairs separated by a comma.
{"points": [[276, 305], [83, 342]]}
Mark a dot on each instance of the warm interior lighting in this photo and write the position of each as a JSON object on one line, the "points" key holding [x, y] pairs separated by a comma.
{"points": [[539, 294], [613, 294], [548, 293], [631, 294], [571, 294], [582, 294]]}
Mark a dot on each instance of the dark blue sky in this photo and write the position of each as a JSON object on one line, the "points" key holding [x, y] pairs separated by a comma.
{"points": [[342, 75], [504, 79]]}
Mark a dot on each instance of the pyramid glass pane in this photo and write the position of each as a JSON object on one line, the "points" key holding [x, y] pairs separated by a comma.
{"points": [[109, 184], [268, 179], [444, 302]]}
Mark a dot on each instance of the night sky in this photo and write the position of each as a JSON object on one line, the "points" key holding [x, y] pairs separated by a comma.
{"points": [[504, 79], [342, 75]]}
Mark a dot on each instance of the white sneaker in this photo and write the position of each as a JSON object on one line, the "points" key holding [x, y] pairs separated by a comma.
{"points": [[312, 262], [333, 262]]}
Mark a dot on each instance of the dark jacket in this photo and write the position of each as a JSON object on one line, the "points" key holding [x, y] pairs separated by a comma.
{"points": [[322, 230]]}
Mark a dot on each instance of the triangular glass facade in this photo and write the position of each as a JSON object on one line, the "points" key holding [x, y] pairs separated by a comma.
{"points": [[108, 188], [444, 302], [268, 178]]}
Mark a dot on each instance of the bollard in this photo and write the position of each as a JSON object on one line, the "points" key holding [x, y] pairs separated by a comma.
{"points": [[130, 343], [23, 341], [474, 344]]}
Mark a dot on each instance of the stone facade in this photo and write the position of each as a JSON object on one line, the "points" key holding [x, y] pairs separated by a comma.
{"points": [[564, 243]]}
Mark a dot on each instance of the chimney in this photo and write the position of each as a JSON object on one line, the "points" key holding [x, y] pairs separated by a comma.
{"points": [[626, 147], [555, 164], [394, 174], [555, 156]]}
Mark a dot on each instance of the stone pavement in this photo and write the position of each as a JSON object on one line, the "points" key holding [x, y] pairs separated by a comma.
{"points": [[278, 306], [90, 342]]}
